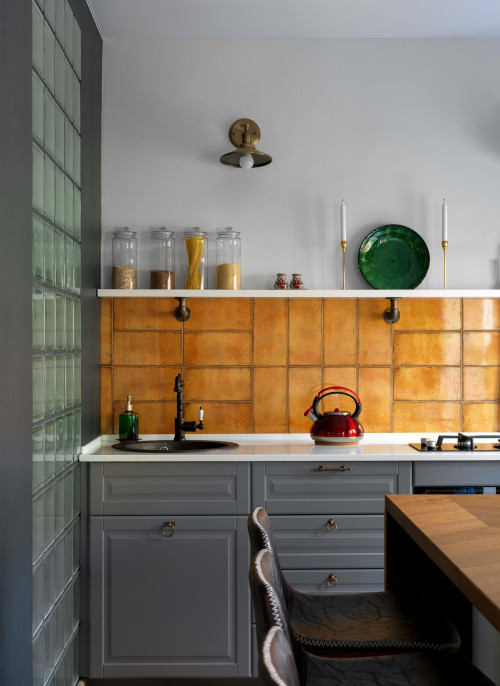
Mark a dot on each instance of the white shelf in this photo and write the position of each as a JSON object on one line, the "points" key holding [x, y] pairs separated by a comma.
{"points": [[271, 293]]}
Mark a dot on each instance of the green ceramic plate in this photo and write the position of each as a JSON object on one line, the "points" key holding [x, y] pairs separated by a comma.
{"points": [[393, 256]]}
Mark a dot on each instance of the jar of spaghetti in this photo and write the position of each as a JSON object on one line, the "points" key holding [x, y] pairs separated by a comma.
{"points": [[195, 271], [162, 258], [124, 249], [228, 255]]}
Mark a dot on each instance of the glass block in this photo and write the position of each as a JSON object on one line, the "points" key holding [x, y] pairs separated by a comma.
{"points": [[59, 135], [69, 374], [38, 659], [76, 658], [68, 147], [60, 322], [77, 222], [49, 123], [38, 526], [69, 273], [77, 266], [77, 49], [78, 433], [77, 158], [60, 383], [68, 47], [61, 21], [68, 498], [77, 326], [78, 379], [49, 633], [38, 448], [76, 603], [77, 115], [59, 213], [68, 555], [60, 676], [49, 582], [76, 535], [37, 178], [59, 444], [49, 464], [68, 205], [60, 75], [50, 319], [37, 108], [37, 45], [37, 246], [37, 617], [68, 614], [48, 249], [59, 258], [59, 486], [59, 558], [50, 385], [38, 388], [49, 516], [38, 319], [49, 7], [49, 57], [48, 188], [68, 91], [59, 634], [69, 430], [69, 322]]}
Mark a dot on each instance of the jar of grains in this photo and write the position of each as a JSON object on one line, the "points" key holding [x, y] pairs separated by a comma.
{"points": [[124, 248], [196, 259], [228, 255], [162, 258]]}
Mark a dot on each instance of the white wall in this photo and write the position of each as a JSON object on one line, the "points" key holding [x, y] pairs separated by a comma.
{"points": [[392, 126]]}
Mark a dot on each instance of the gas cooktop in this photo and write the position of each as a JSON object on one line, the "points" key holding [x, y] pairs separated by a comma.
{"points": [[462, 442]]}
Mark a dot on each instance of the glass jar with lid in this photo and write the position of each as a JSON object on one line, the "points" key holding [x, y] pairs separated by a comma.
{"points": [[196, 270], [124, 249], [228, 256], [162, 259]]}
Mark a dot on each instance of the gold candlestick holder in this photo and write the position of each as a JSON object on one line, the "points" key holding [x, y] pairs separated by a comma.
{"points": [[445, 246], [343, 245]]}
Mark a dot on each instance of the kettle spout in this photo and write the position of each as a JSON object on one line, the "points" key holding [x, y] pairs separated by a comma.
{"points": [[309, 413]]}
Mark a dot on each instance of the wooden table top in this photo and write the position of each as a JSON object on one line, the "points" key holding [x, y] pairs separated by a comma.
{"points": [[461, 535]]}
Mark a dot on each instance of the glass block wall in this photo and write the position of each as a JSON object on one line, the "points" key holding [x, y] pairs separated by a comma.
{"points": [[56, 77]]}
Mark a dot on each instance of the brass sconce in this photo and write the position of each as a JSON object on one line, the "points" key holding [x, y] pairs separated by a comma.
{"points": [[244, 134]]}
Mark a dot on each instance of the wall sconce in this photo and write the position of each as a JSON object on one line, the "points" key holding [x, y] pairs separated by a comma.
{"points": [[244, 134]]}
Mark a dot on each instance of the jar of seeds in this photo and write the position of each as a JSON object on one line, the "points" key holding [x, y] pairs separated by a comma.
{"points": [[162, 258], [228, 251], [124, 247]]}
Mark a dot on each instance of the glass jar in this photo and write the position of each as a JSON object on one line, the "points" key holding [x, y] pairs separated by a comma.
{"points": [[124, 247], [162, 259], [296, 283], [228, 253], [196, 270], [280, 282]]}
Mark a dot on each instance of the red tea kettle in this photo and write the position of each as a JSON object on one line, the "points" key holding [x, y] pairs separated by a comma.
{"points": [[335, 427]]}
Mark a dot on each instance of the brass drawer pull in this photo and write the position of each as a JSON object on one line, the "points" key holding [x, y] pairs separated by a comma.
{"points": [[332, 580], [168, 529], [331, 525], [342, 468]]}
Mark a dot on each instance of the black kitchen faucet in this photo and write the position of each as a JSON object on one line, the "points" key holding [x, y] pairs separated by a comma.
{"points": [[180, 424]]}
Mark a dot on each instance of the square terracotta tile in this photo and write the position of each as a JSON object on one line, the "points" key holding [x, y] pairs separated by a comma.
{"points": [[375, 335], [217, 348], [106, 330], [222, 418], [217, 383], [429, 314], [305, 332], [106, 401], [304, 383], [375, 392], [427, 348], [481, 383], [435, 417], [154, 418], [270, 339], [153, 314], [146, 348], [148, 383], [270, 400], [481, 313], [427, 383], [481, 348], [482, 417], [339, 331], [340, 376], [219, 314]]}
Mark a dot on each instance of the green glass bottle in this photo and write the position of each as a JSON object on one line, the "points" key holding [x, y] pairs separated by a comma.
{"points": [[128, 423]]}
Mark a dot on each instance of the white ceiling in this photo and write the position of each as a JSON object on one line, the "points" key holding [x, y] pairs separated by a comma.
{"points": [[297, 18]]}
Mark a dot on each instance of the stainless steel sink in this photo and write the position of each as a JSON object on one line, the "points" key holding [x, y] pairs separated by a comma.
{"points": [[173, 446]]}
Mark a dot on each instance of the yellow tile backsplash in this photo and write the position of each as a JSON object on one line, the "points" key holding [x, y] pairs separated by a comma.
{"points": [[255, 365]]}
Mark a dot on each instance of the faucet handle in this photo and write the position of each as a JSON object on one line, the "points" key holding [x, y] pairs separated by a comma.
{"points": [[200, 413]]}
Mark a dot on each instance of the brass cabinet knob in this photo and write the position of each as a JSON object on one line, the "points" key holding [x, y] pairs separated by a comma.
{"points": [[168, 529], [331, 525], [332, 580]]}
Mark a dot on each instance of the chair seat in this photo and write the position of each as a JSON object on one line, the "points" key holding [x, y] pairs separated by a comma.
{"points": [[369, 622]]}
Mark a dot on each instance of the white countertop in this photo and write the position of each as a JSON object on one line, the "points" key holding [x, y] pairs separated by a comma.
{"points": [[286, 448]]}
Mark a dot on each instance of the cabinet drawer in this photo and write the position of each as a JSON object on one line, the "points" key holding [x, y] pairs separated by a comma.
{"points": [[341, 541], [177, 488], [456, 473], [296, 488], [348, 580]]}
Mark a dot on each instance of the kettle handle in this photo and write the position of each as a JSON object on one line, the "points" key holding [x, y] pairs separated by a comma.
{"points": [[337, 390]]}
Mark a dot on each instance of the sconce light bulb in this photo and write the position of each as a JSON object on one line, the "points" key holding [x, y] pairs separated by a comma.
{"points": [[246, 161]]}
